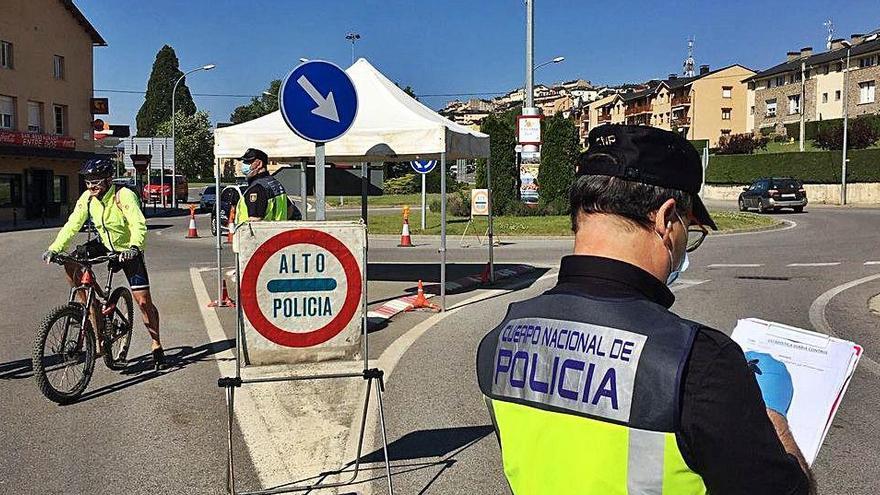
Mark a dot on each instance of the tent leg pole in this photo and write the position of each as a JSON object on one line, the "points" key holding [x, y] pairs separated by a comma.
{"points": [[443, 231], [491, 230]]}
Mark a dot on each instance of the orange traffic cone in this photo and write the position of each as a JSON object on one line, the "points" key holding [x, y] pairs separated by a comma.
{"points": [[405, 239], [421, 302], [225, 301], [193, 233], [230, 227]]}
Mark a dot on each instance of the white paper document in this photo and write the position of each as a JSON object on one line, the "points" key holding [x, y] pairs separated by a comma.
{"points": [[820, 367]]}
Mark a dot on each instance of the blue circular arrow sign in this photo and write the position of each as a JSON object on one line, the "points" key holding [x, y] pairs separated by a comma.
{"points": [[318, 101], [423, 166]]}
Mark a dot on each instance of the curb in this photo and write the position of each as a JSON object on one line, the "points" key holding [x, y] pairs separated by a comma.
{"points": [[394, 307]]}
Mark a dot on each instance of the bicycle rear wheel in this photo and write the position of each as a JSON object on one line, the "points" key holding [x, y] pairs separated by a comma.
{"points": [[63, 364], [117, 329]]}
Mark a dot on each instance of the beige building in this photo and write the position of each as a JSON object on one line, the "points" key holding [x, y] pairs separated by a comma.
{"points": [[707, 106], [45, 105], [813, 84]]}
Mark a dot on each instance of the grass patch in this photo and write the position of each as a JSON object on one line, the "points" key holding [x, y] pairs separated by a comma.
{"points": [[559, 225]]}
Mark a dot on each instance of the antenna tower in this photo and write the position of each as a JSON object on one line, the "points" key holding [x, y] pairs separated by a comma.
{"points": [[689, 63]]}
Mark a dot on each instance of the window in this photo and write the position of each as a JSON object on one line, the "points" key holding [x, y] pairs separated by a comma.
{"points": [[7, 112], [837, 95], [725, 132], [868, 61], [10, 189], [725, 113], [866, 92], [794, 104], [780, 80], [824, 97], [6, 55], [60, 112], [838, 67], [59, 188], [825, 69], [791, 79], [771, 107], [726, 91], [752, 110], [35, 116], [59, 67]]}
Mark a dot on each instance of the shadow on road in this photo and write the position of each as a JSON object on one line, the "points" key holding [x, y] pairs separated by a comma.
{"points": [[445, 443], [139, 369]]}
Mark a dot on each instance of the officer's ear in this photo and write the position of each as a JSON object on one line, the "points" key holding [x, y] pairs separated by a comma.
{"points": [[664, 217]]}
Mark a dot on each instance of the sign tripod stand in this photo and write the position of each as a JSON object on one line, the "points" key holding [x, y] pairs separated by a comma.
{"points": [[373, 376]]}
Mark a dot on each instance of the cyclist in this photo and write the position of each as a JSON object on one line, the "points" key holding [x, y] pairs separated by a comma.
{"points": [[121, 228]]}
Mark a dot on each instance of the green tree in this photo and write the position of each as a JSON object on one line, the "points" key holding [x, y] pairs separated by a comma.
{"points": [[157, 102], [195, 144], [558, 156], [862, 133], [505, 175], [408, 90], [259, 105]]}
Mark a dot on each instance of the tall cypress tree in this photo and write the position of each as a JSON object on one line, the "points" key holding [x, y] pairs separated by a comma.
{"points": [[157, 102], [501, 129], [558, 156]]}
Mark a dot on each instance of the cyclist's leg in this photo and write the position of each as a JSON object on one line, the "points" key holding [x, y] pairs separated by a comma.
{"points": [[139, 282], [74, 273]]}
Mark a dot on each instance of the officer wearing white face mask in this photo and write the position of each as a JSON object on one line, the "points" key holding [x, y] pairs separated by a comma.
{"points": [[595, 387]]}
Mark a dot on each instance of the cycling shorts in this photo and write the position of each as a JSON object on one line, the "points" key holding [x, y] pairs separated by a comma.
{"points": [[135, 270]]}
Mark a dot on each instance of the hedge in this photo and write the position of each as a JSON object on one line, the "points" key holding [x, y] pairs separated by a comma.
{"points": [[822, 167], [811, 129], [699, 144]]}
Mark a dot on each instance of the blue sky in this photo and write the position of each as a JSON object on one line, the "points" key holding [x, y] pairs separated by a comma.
{"points": [[444, 47]]}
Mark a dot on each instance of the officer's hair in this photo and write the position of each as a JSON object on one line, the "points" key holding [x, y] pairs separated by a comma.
{"points": [[633, 201]]}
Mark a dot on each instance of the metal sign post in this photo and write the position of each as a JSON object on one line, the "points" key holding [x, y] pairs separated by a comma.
{"points": [[424, 167], [318, 101]]}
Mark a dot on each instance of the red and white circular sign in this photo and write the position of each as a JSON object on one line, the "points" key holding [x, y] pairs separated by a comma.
{"points": [[301, 288]]}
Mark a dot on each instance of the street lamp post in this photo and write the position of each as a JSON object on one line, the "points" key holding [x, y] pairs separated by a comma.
{"points": [[556, 60], [353, 37], [174, 136], [848, 46]]}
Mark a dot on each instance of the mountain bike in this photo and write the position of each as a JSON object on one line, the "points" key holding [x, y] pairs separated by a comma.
{"points": [[64, 348]]}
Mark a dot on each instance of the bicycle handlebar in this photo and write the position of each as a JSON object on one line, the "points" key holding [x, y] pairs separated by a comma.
{"points": [[61, 258]]}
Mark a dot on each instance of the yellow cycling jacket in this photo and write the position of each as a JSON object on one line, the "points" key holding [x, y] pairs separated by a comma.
{"points": [[117, 218]]}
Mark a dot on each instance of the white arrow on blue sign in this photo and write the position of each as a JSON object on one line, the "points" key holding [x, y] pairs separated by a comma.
{"points": [[318, 101], [423, 166]]}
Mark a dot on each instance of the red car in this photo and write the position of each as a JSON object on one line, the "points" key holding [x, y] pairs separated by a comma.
{"points": [[154, 191]]}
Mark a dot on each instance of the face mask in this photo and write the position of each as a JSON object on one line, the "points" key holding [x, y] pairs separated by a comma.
{"points": [[682, 267], [245, 168]]}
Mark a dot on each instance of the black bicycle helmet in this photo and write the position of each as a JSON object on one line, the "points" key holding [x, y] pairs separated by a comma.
{"points": [[97, 168]]}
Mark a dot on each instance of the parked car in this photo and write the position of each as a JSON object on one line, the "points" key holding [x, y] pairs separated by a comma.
{"points": [[208, 197], [154, 191], [229, 196], [127, 182], [772, 194]]}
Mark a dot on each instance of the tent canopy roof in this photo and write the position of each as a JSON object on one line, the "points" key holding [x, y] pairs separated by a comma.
{"points": [[389, 126]]}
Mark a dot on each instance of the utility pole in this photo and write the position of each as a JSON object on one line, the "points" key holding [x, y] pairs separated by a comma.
{"points": [[353, 37], [803, 103], [529, 101]]}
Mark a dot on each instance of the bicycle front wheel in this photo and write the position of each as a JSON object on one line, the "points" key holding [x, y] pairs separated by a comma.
{"points": [[64, 354], [117, 329]]}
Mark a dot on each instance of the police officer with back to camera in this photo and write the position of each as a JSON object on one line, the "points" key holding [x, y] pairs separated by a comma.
{"points": [[265, 197], [596, 388]]}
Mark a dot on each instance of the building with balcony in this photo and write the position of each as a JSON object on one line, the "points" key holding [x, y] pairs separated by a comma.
{"points": [[812, 84], [46, 84]]}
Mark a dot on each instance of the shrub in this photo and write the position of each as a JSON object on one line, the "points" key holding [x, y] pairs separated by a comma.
{"points": [[458, 204], [741, 144], [406, 184], [779, 138], [861, 134], [766, 131], [820, 167]]}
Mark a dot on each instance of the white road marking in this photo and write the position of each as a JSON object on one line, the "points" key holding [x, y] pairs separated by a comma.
{"points": [[834, 263], [869, 263], [735, 265], [684, 284], [820, 321]]}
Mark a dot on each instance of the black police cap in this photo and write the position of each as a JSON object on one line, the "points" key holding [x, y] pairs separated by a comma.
{"points": [[254, 154], [648, 155]]}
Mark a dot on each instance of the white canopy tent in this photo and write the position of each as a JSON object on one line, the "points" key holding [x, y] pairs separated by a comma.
{"points": [[389, 126]]}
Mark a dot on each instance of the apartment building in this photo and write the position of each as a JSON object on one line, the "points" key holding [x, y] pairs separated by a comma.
{"points": [[45, 105], [707, 106], [814, 84]]}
